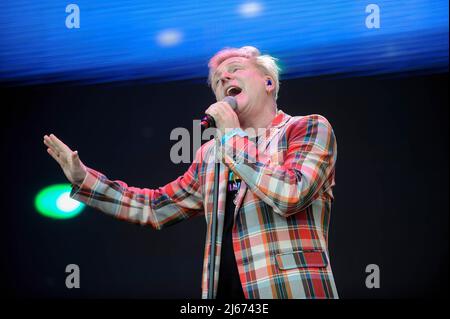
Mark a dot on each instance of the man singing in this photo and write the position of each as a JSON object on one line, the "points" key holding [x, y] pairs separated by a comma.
{"points": [[275, 190]]}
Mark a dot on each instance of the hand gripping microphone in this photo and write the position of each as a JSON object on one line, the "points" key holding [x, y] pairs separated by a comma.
{"points": [[208, 120]]}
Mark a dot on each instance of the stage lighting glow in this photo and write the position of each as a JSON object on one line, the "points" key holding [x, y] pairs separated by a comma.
{"points": [[66, 204], [168, 38], [54, 202], [250, 9]]}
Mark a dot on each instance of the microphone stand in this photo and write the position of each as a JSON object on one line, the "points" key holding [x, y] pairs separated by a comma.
{"points": [[212, 254], [208, 121]]}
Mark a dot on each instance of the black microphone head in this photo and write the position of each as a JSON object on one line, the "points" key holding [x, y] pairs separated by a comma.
{"points": [[231, 100], [207, 121]]}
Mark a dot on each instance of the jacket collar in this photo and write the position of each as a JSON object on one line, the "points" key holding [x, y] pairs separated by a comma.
{"points": [[280, 119]]}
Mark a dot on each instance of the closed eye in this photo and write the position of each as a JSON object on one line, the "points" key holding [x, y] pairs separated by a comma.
{"points": [[232, 70]]}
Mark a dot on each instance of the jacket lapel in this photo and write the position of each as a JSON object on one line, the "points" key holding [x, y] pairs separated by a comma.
{"points": [[278, 122]]}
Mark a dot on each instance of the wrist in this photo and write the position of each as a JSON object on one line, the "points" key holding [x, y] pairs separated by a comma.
{"points": [[79, 180]]}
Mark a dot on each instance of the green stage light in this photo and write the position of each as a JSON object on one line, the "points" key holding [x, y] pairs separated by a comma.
{"points": [[54, 202]]}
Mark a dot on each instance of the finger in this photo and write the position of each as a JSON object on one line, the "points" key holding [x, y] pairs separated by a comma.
{"points": [[76, 158], [224, 109], [59, 144], [216, 108], [210, 111], [53, 154], [55, 147], [227, 108], [49, 143], [51, 147]]}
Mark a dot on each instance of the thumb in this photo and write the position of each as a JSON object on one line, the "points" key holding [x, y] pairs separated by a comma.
{"points": [[75, 158]]}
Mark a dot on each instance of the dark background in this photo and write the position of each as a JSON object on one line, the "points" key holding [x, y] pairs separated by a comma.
{"points": [[391, 206]]}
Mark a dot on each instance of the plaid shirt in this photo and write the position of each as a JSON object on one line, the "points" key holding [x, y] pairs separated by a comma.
{"points": [[282, 210]]}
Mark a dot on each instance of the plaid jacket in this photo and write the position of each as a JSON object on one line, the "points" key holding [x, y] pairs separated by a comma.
{"points": [[282, 208]]}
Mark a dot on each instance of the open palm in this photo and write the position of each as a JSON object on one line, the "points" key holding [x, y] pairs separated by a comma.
{"points": [[69, 160]]}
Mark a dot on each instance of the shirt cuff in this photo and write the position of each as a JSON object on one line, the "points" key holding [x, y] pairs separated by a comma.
{"points": [[90, 180]]}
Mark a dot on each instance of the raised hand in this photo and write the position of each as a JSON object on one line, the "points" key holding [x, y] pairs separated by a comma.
{"points": [[69, 160]]}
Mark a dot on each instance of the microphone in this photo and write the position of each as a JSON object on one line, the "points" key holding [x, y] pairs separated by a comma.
{"points": [[208, 120]]}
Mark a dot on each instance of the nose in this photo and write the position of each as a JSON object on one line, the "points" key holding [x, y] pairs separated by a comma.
{"points": [[226, 76]]}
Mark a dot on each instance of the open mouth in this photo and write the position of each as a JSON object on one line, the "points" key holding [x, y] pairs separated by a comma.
{"points": [[233, 91]]}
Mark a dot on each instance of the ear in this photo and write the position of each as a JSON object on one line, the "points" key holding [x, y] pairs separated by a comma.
{"points": [[270, 84]]}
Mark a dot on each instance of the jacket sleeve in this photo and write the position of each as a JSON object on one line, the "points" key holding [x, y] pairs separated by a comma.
{"points": [[167, 205], [306, 171]]}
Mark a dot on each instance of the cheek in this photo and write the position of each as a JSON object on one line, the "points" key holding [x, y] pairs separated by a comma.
{"points": [[216, 95], [253, 91]]}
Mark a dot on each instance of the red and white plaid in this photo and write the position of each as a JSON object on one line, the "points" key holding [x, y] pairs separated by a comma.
{"points": [[282, 211]]}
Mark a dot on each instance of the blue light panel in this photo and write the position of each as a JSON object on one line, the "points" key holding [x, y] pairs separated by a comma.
{"points": [[168, 40]]}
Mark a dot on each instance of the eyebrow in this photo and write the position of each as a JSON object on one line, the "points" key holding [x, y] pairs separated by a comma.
{"points": [[216, 73]]}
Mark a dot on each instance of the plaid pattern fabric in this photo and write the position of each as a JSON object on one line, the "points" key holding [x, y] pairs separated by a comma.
{"points": [[282, 208]]}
